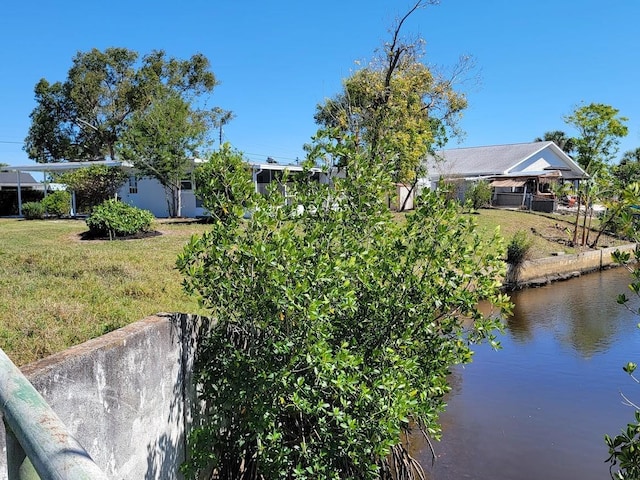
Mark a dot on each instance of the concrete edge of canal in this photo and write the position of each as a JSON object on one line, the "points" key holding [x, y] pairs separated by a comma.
{"points": [[534, 273]]}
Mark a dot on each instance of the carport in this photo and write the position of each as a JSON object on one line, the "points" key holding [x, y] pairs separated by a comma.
{"points": [[47, 169]]}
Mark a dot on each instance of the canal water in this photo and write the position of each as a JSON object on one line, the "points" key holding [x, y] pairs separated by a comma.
{"points": [[539, 407]]}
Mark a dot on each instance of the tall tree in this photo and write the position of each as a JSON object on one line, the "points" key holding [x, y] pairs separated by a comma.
{"points": [[600, 128], [337, 325], [162, 142], [628, 170], [560, 138], [395, 109], [84, 117]]}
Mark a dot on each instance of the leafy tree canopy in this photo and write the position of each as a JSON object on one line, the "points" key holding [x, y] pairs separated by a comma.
{"points": [[162, 141], [84, 117], [93, 185], [396, 108], [628, 170], [600, 128], [336, 326]]}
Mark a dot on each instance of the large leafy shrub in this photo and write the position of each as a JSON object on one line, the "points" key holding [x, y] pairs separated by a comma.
{"points": [[336, 326], [222, 184], [94, 184], [479, 194], [33, 210], [117, 219], [57, 203]]}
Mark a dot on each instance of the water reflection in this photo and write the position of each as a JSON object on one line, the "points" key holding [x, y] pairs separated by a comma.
{"points": [[539, 408], [582, 314]]}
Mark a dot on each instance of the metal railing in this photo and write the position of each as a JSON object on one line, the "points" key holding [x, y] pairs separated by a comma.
{"points": [[39, 446]]}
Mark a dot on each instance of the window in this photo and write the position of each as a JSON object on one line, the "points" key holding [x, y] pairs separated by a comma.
{"points": [[187, 182], [133, 184]]}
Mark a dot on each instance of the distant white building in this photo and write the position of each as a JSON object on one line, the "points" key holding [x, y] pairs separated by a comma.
{"points": [[147, 193], [520, 174]]}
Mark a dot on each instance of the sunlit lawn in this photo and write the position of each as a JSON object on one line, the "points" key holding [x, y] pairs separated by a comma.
{"points": [[57, 290], [551, 233]]}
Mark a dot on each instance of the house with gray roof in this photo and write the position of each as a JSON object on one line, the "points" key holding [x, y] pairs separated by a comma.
{"points": [[11, 181], [16, 188], [521, 175]]}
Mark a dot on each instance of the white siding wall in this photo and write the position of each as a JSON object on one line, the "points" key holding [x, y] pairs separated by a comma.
{"points": [[545, 159], [151, 196]]}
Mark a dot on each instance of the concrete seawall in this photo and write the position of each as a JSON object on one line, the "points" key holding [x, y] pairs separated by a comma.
{"points": [[546, 270], [125, 396]]}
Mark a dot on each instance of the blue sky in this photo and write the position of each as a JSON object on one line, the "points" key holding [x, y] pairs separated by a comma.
{"points": [[276, 60]]}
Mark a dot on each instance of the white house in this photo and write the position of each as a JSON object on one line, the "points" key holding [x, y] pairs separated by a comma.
{"points": [[520, 174], [147, 193]]}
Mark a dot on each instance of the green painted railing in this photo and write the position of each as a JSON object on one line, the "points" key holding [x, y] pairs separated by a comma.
{"points": [[39, 446]]}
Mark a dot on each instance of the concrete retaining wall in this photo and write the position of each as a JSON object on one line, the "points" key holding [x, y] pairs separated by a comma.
{"points": [[125, 396], [546, 270]]}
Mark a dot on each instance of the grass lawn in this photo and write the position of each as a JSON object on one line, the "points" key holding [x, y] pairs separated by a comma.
{"points": [[550, 233], [57, 290]]}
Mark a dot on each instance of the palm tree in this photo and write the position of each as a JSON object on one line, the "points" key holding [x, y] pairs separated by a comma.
{"points": [[566, 144], [220, 119]]}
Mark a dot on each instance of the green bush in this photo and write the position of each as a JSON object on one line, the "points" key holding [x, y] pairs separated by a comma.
{"points": [[624, 448], [33, 210], [519, 247], [116, 219], [93, 185], [336, 325], [479, 194], [57, 203], [222, 183]]}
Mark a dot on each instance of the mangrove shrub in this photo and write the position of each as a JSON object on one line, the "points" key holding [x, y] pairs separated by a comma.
{"points": [[337, 326]]}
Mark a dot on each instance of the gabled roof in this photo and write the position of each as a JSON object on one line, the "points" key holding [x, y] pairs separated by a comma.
{"points": [[10, 179], [499, 160]]}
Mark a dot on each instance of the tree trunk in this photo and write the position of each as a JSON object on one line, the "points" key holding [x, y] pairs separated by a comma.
{"points": [[409, 193], [584, 224], [577, 221]]}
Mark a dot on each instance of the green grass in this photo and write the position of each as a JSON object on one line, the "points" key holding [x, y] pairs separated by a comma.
{"points": [[551, 233], [57, 290]]}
